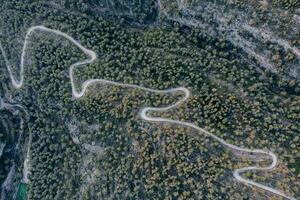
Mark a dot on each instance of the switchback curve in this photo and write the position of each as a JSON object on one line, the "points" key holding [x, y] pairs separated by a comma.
{"points": [[143, 114]]}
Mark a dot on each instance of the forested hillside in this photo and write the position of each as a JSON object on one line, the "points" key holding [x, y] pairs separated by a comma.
{"points": [[98, 147]]}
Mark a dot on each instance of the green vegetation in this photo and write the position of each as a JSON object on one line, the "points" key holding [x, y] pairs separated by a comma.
{"points": [[287, 4], [10, 154], [142, 160]]}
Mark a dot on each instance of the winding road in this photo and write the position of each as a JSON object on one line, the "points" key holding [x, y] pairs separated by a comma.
{"points": [[144, 112]]}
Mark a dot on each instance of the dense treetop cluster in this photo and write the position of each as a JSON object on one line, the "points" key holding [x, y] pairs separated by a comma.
{"points": [[239, 101]]}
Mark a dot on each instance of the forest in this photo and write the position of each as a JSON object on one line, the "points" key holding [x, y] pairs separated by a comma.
{"points": [[98, 147]]}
